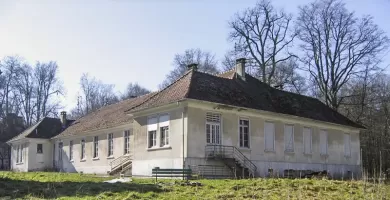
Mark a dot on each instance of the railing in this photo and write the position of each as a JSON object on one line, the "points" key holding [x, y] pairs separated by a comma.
{"points": [[119, 162], [221, 151], [212, 171]]}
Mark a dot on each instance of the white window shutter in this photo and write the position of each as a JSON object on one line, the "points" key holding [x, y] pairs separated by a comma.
{"points": [[323, 142], [307, 139], [289, 138], [269, 134], [152, 124], [347, 144]]}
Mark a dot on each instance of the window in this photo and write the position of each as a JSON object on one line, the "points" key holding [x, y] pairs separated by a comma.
{"points": [[163, 124], [17, 153], [152, 132], [110, 149], [19, 158], [158, 125], [152, 139], [95, 146], [82, 145], [164, 131], [323, 142], [347, 144], [39, 148], [71, 150], [289, 138], [244, 133], [126, 136], [213, 124], [307, 141], [269, 135]]}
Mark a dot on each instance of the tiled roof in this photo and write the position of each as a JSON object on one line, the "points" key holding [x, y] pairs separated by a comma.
{"points": [[44, 129], [105, 117], [228, 89]]}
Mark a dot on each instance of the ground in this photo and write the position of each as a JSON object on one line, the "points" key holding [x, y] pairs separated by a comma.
{"points": [[45, 185]]}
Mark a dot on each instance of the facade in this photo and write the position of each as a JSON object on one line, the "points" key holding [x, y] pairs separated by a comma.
{"points": [[226, 125]]}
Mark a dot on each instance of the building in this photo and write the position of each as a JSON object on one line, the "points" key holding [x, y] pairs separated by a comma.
{"points": [[10, 126], [223, 125], [32, 149]]}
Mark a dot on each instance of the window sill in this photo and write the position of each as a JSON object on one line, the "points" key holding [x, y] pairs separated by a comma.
{"points": [[308, 154], [289, 152], [324, 155], [19, 163], [83, 160], [244, 148], [72, 161], [269, 151], [110, 157], [95, 158], [158, 148]]}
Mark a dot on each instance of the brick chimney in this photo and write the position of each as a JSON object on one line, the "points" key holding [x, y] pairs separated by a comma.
{"points": [[192, 66], [63, 119], [240, 68]]}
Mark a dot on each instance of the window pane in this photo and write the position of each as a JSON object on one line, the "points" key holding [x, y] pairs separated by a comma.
{"points": [[208, 133]]}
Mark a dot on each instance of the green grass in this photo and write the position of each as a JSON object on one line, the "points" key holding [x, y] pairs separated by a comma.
{"points": [[44, 185]]}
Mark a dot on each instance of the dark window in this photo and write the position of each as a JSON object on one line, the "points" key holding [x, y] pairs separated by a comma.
{"points": [[39, 148]]}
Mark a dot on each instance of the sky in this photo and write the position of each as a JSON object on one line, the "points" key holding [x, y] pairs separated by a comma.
{"points": [[122, 41]]}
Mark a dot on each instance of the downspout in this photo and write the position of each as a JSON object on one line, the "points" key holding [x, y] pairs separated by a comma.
{"points": [[182, 125]]}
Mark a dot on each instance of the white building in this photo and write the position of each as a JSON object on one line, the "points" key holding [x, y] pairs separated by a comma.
{"points": [[229, 124]]}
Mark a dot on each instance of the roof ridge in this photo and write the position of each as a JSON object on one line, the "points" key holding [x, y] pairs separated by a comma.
{"points": [[158, 92]]}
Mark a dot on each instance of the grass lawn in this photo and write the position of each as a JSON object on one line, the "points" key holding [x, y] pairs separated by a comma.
{"points": [[74, 186]]}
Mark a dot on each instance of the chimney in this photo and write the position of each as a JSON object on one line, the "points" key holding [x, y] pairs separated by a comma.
{"points": [[240, 68], [192, 66], [63, 119]]}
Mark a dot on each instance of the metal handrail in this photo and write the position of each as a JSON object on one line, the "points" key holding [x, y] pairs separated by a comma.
{"points": [[119, 161], [227, 151]]}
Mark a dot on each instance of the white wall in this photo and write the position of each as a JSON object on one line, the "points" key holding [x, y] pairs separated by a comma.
{"points": [[40, 161], [23, 166], [89, 165]]}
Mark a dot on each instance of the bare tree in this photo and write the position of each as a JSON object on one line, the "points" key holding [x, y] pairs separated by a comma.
{"points": [[25, 89], [263, 35], [95, 95], [47, 85], [206, 63], [134, 90], [9, 66], [336, 44]]}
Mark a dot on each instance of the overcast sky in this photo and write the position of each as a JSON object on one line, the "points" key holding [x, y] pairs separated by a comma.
{"points": [[122, 41]]}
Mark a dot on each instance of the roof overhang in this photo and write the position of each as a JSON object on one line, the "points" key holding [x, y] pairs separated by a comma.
{"points": [[156, 109], [272, 116]]}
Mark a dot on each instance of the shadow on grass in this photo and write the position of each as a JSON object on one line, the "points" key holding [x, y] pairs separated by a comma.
{"points": [[12, 189]]}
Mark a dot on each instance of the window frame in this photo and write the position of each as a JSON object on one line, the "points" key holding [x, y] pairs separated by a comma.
{"points": [[110, 144], [82, 149], [71, 150], [164, 141], [95, 147], [243, 137], [347, 155], [326, 142], [218, 139], [265, 140], [155, 143], [41, 145], [126, 145], [293, 138], [304, 141]]}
